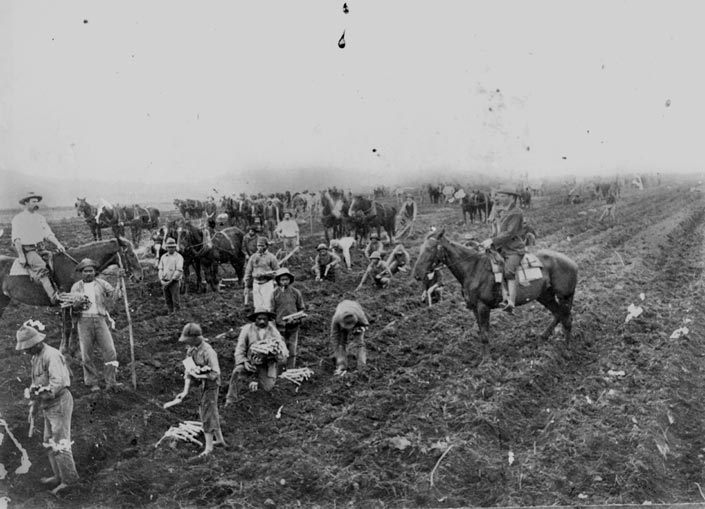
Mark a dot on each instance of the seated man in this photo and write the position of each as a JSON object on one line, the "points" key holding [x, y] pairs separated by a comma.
{"points": [[29, 231], [325, 263], [260, 350], [379, 270], [398, 259]]}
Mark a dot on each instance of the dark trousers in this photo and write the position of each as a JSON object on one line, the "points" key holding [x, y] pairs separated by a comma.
{"points": [[172, 296]]}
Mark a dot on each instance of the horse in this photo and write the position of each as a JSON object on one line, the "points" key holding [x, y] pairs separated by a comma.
{"points": [[367, 214], [334, 213], [89, 213], [190, 243], [105, 252], [137, 217], [475, 203], [473, 270], [525, 198], [225, 246]]}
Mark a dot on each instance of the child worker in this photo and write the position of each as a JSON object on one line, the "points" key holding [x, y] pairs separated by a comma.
{"points": [[207, 371], [289, 307]]}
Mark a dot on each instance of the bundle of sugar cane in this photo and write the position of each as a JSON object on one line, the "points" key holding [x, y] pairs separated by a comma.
{"points": [[294, 316], [74, 300], [271, 347], [186, 431], [297, 375]]}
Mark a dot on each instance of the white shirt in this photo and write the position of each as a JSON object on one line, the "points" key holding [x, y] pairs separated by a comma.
{"points": [[89, 290], [287, 228], [30, 228]]}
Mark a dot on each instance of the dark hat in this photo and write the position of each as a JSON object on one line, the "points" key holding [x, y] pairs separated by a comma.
{"points": [[27, 337], [261, 311], [191, 330], [170, 242], [283, 272], [86, 262], [29, 196]]}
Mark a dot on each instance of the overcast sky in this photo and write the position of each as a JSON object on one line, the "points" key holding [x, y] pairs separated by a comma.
{"points": [[180, 90]]}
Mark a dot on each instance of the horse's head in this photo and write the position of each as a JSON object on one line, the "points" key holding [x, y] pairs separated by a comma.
{"points": [[80, 205], [430, 255]]}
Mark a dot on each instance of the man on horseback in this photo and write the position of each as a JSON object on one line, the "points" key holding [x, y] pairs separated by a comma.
{"points": [[29, 231], [509, 243]]}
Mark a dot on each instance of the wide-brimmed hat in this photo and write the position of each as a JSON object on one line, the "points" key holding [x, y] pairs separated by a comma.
{"points": [[508, 191], [374, 236], [261, 311], [86, 262], [287, 212], [170, 242], [191, 330], [29, 196], [283, 272], [375, 256], [262, 241], [27, 337], [321, 246]]}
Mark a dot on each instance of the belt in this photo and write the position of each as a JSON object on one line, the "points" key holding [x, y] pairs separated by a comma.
{"points": [[92, 315], [262, 281], [31, 246]]}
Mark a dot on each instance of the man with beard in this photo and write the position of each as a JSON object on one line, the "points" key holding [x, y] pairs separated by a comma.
{"points": [[260, 350], [29, 231], [93, 331]]}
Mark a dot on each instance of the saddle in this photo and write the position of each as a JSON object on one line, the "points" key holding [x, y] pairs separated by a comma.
{"points": [[17, 269], [529, 270]]}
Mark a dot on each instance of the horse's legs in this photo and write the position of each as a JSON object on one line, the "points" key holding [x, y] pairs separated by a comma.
{"points": [[548, 300], [565, 307], [482, 316], [4, 301]]}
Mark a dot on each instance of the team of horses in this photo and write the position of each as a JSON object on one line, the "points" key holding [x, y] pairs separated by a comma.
{"points": [[117, 218]]}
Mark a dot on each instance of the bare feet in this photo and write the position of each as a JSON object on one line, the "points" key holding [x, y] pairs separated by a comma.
{"points": [[49, 480], [205, 453], [59, 488]]}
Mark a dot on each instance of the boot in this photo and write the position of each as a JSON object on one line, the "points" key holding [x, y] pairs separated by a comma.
{"points": [[50, 290], [511, 301]]}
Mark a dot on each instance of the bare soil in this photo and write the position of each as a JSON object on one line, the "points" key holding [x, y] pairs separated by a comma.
{"points": [[426, 424]]}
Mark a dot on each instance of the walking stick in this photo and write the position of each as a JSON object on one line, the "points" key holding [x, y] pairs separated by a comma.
{"points": [[129, 326]]}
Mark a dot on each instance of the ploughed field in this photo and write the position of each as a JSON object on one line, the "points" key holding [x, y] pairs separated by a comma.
{"points": [[616, 418]]}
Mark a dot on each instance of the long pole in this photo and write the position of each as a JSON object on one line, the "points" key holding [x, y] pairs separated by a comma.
{"points": [[129, 326]]}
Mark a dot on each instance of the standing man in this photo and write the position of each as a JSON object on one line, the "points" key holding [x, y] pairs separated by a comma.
{"points": [[271, 219], [509, 243], [50, 392], [93, 330], [288, 301], [348, 324], [288, 230], [260, 350], [409, 211], [29, 231], [259, 275], [249, 242], [171, 267]]}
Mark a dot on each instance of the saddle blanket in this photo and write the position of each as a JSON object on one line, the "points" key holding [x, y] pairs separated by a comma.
{"points": [[528, 271]]}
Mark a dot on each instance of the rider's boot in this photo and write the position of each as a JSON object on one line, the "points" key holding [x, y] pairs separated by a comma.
{"points": [[510, 301], [50, 290]]}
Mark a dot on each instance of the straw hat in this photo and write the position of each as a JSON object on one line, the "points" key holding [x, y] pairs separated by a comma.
{"points": [[27, 337], [29, 196], [170, 242], [321, 247], [86, 262], [283, 272], [261, 311], [375, 256], [191, 330]]}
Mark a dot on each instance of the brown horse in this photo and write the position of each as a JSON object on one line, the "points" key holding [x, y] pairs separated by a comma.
{"points": [[225, 246], [366, 214], [104, 252], [473, 270], [137, 218]]}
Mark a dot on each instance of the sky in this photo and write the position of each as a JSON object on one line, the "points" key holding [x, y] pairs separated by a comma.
{"points": [[170, 90]]}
